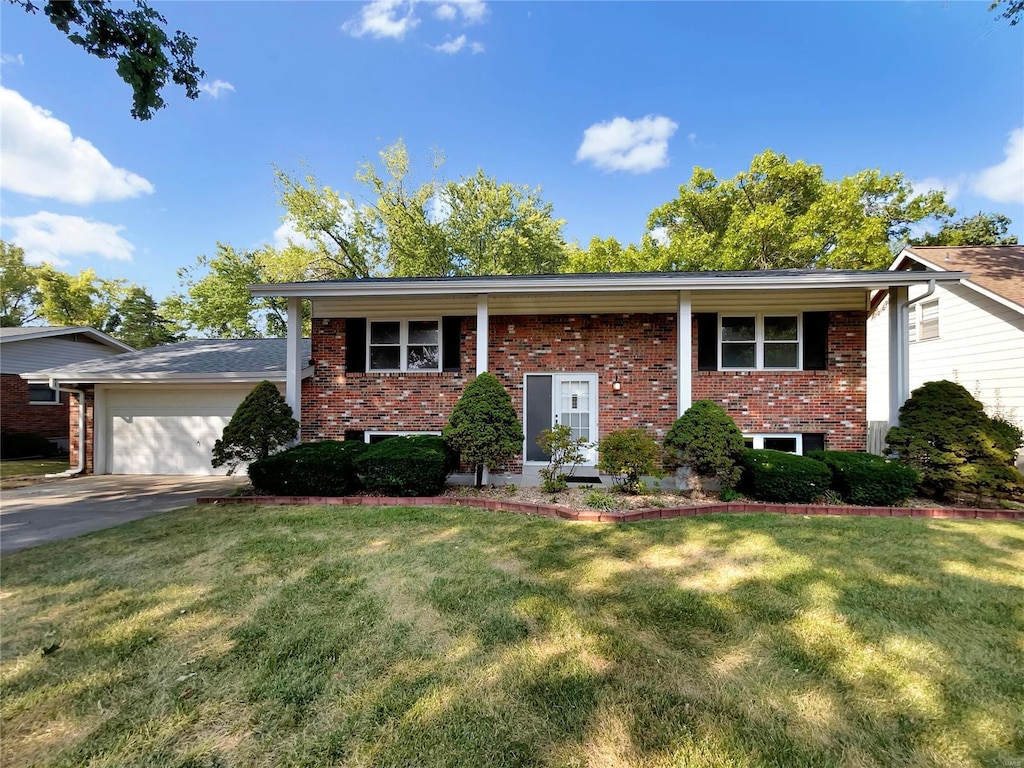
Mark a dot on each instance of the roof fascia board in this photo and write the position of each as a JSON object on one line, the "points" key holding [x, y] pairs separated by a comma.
{"points": [[870, 281], [79, 330], [250, 377], [909, 254]]}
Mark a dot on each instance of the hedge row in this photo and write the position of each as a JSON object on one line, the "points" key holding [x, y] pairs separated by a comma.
{"points": [[417, 465]]}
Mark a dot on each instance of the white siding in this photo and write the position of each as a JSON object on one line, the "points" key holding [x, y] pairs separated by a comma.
{"points": [[53, 352], [980, 345]]}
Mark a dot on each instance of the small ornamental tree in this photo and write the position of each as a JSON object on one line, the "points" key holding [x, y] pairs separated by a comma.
{"points": [[260, 426], [628, 454], [483, 426], [945, 434], [707, 440]]}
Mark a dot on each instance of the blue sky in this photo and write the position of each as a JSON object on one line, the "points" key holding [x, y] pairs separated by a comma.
{"points": [[934, 90]]}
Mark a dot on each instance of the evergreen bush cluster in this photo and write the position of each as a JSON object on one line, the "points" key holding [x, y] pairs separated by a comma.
{"points": [[326, 468], [783, 477], [25, 445], [866, 479], [706, 439], [406, 466]]}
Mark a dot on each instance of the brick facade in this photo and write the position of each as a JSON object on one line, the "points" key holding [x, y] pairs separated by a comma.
{"points": [[639, 349], [18, 415], [90, 432]]}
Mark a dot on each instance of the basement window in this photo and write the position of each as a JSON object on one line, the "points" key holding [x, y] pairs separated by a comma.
{"points": [[41, 394]]}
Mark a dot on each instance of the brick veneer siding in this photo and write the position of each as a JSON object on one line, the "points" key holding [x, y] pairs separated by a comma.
{"points": [[17, 415], [90, 432], [640, 349]]}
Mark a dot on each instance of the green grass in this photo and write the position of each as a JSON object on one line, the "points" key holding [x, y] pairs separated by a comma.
{"points": [[16, 470], [243, 636]]}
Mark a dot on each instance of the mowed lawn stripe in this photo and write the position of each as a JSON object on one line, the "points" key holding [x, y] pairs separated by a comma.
{"points": [[257, 636]]}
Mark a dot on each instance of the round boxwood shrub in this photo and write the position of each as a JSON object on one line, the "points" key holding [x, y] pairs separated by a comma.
{"points": [[872, 481], [783, 477], [484, 427], [404, 466], [945, 434], [628, 454], [706, 439], [326, 468]]}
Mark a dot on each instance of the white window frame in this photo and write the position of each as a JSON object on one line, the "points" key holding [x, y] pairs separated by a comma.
{"points": [[403, 344], [917, 320], [385, 433], [759, 438], [54, 401], [759, 340]]}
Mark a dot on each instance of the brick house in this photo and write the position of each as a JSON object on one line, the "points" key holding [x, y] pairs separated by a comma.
{"points": [[783, 351], [35, 407]]}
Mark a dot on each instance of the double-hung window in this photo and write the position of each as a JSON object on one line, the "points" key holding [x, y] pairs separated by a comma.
{"points": [[760, 341], [404, 345]]}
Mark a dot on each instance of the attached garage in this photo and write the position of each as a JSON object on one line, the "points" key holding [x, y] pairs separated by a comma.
{"points": [[159, 411]]}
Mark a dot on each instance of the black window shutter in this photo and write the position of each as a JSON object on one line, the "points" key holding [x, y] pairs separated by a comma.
{"points": [[451, 344], [813, 441], [815, 341], [355, 345], [707, 341]]}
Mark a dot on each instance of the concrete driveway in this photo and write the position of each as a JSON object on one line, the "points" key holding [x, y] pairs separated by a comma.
{"points": [[63, 509]]}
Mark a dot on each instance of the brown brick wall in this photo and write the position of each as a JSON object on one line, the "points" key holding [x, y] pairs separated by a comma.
{"points": [[639, 348], [90, 438], [17, 415]]}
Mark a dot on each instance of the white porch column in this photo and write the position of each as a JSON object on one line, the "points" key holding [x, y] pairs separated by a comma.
{"points": [[295, 363], [899, 352], [100, 430], [684, 352], [482, 333]]}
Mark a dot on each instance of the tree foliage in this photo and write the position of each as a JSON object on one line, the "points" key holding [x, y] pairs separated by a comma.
{"points": [[261, 425], [945, 434], [139, 322], [82, 299], [484, 426], [781, 214], [19, 288], [979, 229], [1012, 10], [147, 56], [628, 454]]}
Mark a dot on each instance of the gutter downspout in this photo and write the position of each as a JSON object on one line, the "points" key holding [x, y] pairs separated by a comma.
{"points": [[923, 296], [55, 385]]}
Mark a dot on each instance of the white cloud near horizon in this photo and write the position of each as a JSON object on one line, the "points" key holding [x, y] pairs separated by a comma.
{"points": [[1004, 182], [383, 19], [635, 146], [42, 158], [215, 88], [445, 12], [286, 234], [934, 184], [15, 58], [460, 43], [56, 238]]}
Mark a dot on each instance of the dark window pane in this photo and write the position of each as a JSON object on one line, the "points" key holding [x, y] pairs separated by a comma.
{"points": [[814, 441], [385, 358], [787, 444], [780, 355], [737, 329], [385, 333], [738, 356], [422, 358], [780, 329], [748, 442], [423, 332], [41, 393], [379, 438]]}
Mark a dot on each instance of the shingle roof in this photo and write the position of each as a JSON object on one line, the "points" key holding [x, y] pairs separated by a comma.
{"points": [[30, 332], [996, 268], [199, 358]]}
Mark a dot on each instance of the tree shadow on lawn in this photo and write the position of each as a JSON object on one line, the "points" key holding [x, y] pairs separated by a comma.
{"points": [[458, 637]]}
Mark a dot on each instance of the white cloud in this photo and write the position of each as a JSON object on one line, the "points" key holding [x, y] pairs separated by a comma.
{"points": [[445, 12], [41, 158], [456, 45], [472, 11], [214, 89], [1004, 182], [692, 138], [637, 146], [56, 238], [477, 47], [7, 58], [383, 18], [934, 184], [287, 234], [660, 235]]}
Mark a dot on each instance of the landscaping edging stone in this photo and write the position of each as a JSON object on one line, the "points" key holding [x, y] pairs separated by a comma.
{"points": [[630, 516]]}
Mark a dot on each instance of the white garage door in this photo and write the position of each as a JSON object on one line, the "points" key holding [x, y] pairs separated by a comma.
{"points": [[168, 432]]}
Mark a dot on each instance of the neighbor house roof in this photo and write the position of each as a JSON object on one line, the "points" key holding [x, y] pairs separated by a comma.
{"points": [[995, 270], [196, 361], [32, 332]]}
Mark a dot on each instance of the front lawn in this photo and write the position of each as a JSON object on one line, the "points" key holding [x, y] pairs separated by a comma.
{"points": [[259, 636], [18, 472]]}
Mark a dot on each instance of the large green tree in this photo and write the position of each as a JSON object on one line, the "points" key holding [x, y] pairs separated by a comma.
{"points": [[139, 322], [980, 229], [147, 55], [19, 289], [783, 214], [82, 299]]}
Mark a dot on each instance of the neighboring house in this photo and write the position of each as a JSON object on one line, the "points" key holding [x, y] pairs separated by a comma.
{"points": [[159, 410], [26, 407], [970, 331]]}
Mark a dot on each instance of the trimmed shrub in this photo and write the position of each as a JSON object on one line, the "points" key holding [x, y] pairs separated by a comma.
{"points": [[404, 466], [261, 425], [562, 449], [872, 481], [437, 443], [484, 427], [325, 468], [706, 439], [628, 454], [783, 477], [945, 434], [25, 445]]}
